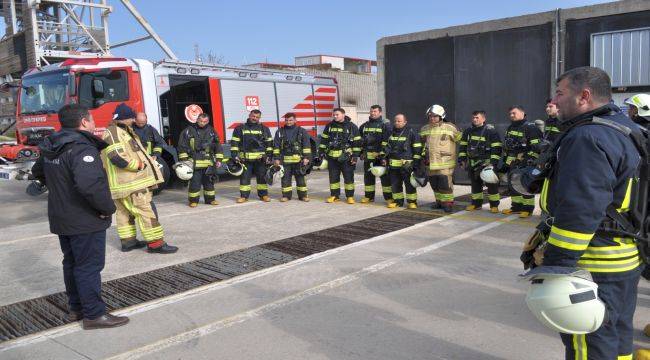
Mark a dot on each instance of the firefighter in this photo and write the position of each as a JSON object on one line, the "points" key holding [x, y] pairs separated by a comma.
{"points": [[639, 109], [480, 146], [79, 211], [521, 147], [593, 173], [132, 175], [292, 150], [252, 145], [149, 136], [402, 155], [439, 140], [199, 145], [374, 133], [341, 145], [551, 129]]}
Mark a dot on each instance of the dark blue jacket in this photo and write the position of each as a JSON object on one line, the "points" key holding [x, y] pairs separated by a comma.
{"points": [[71, 167], [595, 167]]}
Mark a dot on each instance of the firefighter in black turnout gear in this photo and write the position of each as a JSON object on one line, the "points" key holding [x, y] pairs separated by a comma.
{"points": [[374, 134], [340, 144], [252, 145], [149, 136], [480, 146], [292, 149], [552, 123], [200, 146], [521, 144], [402, 155], [586, 182]]}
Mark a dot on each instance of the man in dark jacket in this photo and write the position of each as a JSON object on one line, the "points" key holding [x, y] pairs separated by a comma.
{"points": [[79, 211], [149, 136]]}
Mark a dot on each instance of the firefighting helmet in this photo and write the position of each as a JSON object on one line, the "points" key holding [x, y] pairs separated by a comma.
{"points": [[565, 300], [526, 180], [304, 169], [436, 110], [320, 163], [641, 102], [489, 176], [184, 171], [234, 168], [272, 172], [417, 180], [377, 170]]}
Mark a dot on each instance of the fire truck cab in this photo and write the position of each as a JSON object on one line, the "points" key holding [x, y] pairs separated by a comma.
{"points": [[171, 93]]}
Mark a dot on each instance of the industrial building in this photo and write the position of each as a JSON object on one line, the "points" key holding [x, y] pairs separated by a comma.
{"points": [[494, 64]]}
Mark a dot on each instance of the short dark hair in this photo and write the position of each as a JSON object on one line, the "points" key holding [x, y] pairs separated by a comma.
{"points": [[339, 110], [378, 107], [255, 111], [518, 107], [202, 116], [289, 115], [549, 100], [479, 112], [591, 78], [70, 115]]}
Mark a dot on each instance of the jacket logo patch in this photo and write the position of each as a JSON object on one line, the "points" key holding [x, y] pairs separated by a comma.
{"points": [[88, 159]]}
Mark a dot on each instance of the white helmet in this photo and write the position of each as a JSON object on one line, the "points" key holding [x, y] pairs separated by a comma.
{"points": [[323, 165], [489, 176], [641, 102], [377, 170], [417, 180], [183, 170], [566, 303], [436, 110]]}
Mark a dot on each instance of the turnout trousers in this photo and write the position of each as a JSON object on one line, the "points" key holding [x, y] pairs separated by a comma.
{"points": [[257, 168], [477, 190], [443, 188], [335, 169], [290, 171], [198, 180], [399, 181], [137, 208], [370, 182], [613, 340]]}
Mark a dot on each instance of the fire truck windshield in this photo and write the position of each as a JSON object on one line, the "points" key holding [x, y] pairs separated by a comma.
{"points": [[43, 93]]}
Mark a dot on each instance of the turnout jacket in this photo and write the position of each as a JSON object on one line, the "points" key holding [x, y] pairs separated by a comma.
{"points": [[374, 134], [121, 159], [251, 141], [551, 129], [291, 144], [403, 146], [480, 145], [439, 141], [339, 138], [521, 142], [71, 167], [150, 138], [200, 144], [594, 169]]}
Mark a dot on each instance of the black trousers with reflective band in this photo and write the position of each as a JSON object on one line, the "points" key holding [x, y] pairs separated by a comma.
{"points": [[370, 182], [477, 190], [291, 171], [198, 180], [257, 168], [613, 340], [335, 169], [397, 179]]}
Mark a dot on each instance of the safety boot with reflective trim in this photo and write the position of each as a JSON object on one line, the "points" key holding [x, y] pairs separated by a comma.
{"points": [[494, 210], [193, 204], [214, 202], [472, 208], [524, 214], [265, 198], [412, 206], [392, 205], [350, 200], [284, 199], [332, 199], [366, 200], [241, 200]]}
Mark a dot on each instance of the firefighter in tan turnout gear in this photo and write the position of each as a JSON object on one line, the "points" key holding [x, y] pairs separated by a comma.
{"points": [[132, 174], [439, 139]]}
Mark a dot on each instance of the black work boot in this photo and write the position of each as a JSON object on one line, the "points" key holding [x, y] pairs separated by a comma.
{"points": [[163, 249], [436, 205], [133, 244], [104, 321]]}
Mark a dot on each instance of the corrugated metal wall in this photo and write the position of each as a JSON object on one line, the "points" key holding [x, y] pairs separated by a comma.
{"points": [[625, 55]]}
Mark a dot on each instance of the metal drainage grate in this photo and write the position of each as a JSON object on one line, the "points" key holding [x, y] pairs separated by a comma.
{"points": [[36, 315]]}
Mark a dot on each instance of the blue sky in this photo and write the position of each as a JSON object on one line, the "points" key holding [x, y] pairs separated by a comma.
{"points": [[275, 31]]}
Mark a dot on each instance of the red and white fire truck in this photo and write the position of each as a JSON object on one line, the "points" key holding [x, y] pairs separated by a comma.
{"points": [[171, 93]]}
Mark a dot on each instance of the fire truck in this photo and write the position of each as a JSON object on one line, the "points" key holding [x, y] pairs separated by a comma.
{"points": [[171, 93]]}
